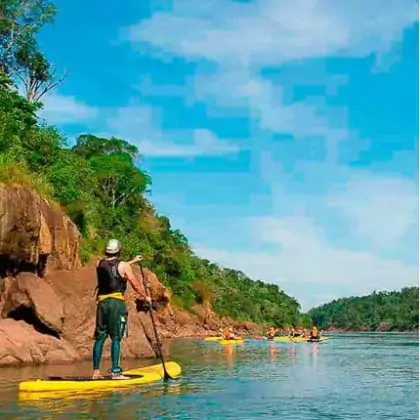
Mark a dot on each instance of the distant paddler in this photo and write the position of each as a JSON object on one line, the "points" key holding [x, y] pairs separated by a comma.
{"points": [[230, 335], [271, 333], [315, 334], [294, 333], [290, 331], [300, 332]]}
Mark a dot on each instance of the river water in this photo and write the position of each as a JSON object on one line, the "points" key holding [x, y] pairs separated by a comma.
{"points": [[352, 376]]}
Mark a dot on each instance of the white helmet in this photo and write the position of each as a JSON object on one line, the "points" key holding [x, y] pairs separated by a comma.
{"points": [[112, 247]]}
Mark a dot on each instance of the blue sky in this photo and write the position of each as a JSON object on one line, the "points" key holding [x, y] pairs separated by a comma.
{"points": [[281, 136]]}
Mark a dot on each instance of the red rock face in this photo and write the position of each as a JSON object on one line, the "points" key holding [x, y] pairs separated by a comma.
{"points": [[21, 343], [34, 234], [31, 296]]}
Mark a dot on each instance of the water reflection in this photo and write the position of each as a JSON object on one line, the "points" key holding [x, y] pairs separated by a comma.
{"points": [[108, 402], [273, 352], [230, 358], [269, 379], [314, 353], [292, 352]]}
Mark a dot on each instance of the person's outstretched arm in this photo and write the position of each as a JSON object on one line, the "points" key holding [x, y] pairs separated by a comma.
{"points": [[135, 282]]}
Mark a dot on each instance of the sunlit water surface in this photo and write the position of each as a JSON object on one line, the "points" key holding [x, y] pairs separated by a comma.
{"points": [[352, 376]]}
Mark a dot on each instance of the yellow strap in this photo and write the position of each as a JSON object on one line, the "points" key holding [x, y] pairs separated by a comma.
{"points": [[117, 295]]}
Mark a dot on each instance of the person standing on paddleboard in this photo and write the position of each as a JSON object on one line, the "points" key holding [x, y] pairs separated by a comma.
{"points": [[111, 313]]}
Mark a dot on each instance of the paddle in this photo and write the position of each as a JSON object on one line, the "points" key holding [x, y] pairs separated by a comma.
{"points": [[158, 343]]}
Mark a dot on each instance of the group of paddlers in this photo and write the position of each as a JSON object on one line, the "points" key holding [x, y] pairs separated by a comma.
{"points": [[312, 334]]}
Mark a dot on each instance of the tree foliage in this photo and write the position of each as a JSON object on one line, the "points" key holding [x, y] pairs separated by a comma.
{"points": [[20, 56], [385, 311]]}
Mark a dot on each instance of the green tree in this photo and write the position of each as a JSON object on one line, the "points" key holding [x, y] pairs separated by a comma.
{"points": [[120, 182], [88, 146], [20, 56], [383, 310], [17, 116], [37, 75]]}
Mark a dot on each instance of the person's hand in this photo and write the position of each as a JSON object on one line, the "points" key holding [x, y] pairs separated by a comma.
{"points": [[136, 259], [143, 297]]}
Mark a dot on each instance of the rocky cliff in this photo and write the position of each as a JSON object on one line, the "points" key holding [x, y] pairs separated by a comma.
{"points": [[35, 235], [47, 304], [52, 319]]}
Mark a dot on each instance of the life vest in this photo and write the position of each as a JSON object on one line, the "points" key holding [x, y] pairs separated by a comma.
{"points": [[314, 332], [110, 282]]}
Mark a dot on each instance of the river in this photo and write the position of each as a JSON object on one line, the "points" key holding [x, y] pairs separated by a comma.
{"points": [[352, 376]]}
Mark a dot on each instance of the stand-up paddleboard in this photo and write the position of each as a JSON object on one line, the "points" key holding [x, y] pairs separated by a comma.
{"points": [[299, 339], [320, 340], [235, 341], [212, 338], [139, 376]]}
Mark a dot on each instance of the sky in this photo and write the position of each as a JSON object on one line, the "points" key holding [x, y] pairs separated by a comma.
{"points": [[281, 136]]}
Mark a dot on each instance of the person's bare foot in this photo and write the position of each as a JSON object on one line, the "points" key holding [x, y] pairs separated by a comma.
{"points": [[96, 374]]}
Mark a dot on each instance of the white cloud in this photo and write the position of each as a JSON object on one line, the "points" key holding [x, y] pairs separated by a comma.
{"points": [[141, 126], [243, 38], [264, 101], [274, 31], [134, 120], [205, 143], [308, 267], [62, 109], [382, 211], [361, 234]]}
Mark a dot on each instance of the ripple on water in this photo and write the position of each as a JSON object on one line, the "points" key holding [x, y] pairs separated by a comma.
{"points": [[363, 376]]}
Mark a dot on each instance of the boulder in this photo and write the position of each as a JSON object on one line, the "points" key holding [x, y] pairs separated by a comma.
{"points": [[20, 343], [30, 298], [159, 293], [34, 233]]}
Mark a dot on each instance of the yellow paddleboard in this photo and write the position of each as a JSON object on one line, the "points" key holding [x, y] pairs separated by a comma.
{"points": [[298, 339], [236, 341], [139, 376], [212, 338], [318, 341]]}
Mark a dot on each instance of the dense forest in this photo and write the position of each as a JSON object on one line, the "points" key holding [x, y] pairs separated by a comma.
{"points": [[99, 184], [383, 311]]}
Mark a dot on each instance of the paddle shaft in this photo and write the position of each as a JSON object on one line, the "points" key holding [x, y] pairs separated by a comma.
{"points": [[158, 343]]}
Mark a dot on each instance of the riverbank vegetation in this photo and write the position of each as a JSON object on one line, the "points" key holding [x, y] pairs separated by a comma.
{"points": [[100, 185], [383, 311]]}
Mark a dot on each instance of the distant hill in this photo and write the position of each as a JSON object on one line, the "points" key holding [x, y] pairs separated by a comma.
{"points": [[383, 311]]}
